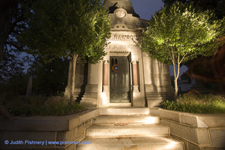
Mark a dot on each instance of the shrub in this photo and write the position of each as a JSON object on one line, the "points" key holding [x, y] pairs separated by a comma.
{"points": [[32, 106], [192, 103]]}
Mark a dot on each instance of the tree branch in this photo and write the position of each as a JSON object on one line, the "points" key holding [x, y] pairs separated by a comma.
{"points": [[13, 44], [174, 69], [183, 58]]}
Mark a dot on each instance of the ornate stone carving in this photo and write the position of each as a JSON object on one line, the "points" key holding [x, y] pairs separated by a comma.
{"points": [[124, 37], [113, 47], [134, 61], [120, 12], [106, 61], [119, 52]]}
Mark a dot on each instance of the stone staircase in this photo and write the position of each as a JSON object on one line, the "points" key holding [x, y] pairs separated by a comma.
{"points": [[128, 129]]}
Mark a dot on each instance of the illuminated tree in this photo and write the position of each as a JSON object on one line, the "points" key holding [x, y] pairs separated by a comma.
{"points": [[65, 28], [179, 33]]}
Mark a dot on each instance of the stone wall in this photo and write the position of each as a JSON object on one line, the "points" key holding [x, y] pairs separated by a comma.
{"points": [[197, 131], [46, 129]]}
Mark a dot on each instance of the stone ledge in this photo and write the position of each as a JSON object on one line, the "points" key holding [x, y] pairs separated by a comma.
{"points": [[45, 129], [194, 120], [198, 136], [48, 123], [197, 131]]}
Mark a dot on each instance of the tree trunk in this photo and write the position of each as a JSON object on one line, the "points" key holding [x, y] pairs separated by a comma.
{"points": [[176, 75], [73, 77], [176, 89], [1, 49], [175, 82]]}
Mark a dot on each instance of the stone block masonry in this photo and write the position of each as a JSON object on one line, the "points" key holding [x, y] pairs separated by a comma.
{"points": [[197, 131], [45, 132]]}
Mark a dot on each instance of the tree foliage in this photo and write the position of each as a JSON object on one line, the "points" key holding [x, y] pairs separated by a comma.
{"points": [[12, 23], [181, 32], [12, 64], [50, 78], [67, 27], [214, 5], [202, 70]]}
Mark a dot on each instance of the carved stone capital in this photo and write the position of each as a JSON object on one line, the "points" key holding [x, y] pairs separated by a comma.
{"points": [[105, 61], [134, 61]]}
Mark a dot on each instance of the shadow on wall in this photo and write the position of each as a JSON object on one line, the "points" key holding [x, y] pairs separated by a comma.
{"points": [[85, 73]]}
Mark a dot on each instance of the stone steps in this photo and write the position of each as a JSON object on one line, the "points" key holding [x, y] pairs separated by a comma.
{"points": [[137, 143], [124, 111], [131, 120], [128, 129]]}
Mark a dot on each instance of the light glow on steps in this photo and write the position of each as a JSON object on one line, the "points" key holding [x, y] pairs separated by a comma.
{"points": [[131, 120], [171, 144], [150, 120], [143, 143], [112, 131]]}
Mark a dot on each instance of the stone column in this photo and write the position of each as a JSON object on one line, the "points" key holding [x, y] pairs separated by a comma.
{"points": [[89, 99], [106, 73], [136, 101], [164, 79], [149, 64], [135, 73], [105, 92]]}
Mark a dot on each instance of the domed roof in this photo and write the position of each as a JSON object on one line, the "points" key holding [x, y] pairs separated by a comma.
{"points": [[112, 5]]}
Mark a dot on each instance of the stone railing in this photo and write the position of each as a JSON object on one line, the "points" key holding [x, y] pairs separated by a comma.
{"points": [[45, 129], [197, 131]]}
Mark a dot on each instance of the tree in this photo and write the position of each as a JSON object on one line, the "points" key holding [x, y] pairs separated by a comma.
{"points": [[50, 78], [179, 33], [67, 28], [7, 11], [215, 5], [12, 22]]}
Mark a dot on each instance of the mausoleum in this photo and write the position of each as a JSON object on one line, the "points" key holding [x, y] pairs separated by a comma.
{"points": [[126, 77]]}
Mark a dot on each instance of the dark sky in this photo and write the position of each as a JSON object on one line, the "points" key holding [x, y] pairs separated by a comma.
{"points": [[146, 9]]}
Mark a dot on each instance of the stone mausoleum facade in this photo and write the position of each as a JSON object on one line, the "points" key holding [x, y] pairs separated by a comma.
{"points": [[126, 76]]}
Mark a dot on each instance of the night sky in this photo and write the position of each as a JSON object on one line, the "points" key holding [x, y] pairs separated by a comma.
{"points": [[146, 9]]}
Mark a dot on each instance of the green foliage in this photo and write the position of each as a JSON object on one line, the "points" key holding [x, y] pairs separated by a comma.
{"points": [[203, 104], [215, 5], [65, 27], [14, 85], [51, 78], [32, 106], [180, 31]]}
